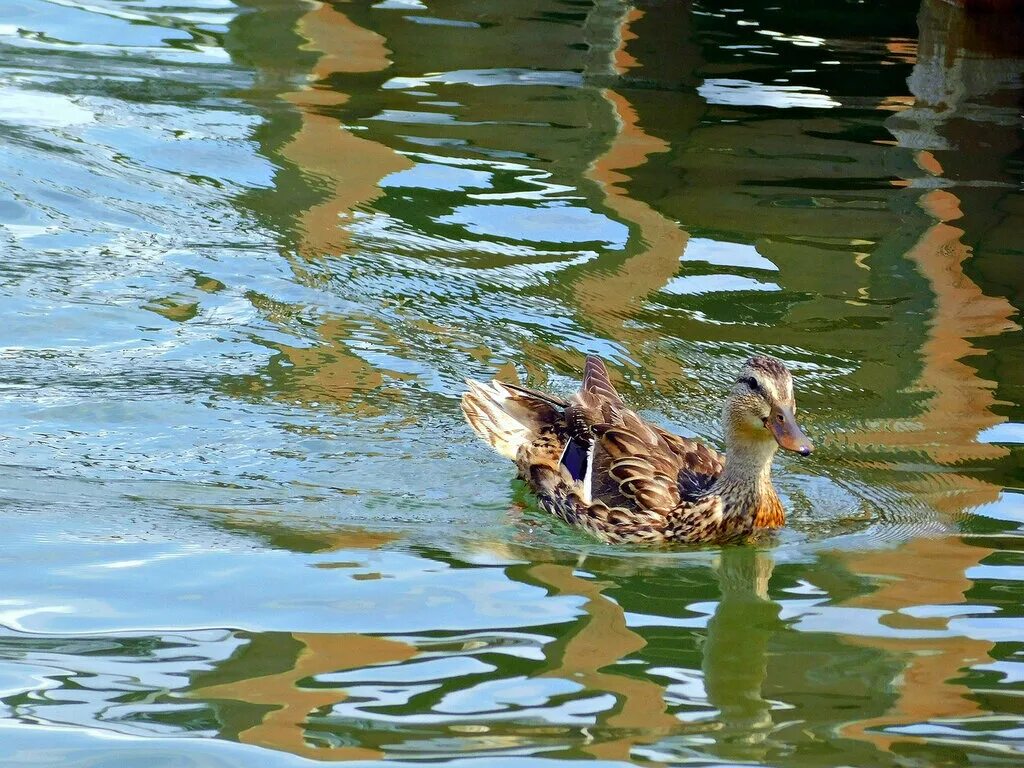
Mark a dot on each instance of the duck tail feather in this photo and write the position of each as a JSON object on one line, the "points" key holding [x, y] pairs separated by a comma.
{"points": [[505, 417], [553, 400]]}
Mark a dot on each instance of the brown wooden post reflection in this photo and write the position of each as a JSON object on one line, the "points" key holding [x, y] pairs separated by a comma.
{"points": [[608, 298], [961, 403], [351, 166], [962, 58], [271, 710], [925, 571], [962, 64], [282, 704], [602, 640], [612, 290], [345, 170]]}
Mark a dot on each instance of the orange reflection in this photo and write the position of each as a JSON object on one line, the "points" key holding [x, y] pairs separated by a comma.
{"points": [[332, 373], [610, 291], [602, 640], [932, 571], [609, 297], [285, 704], [922, 572], [960, 59], [271, 710], [622, 60], [350, 166], [350, 169], [278, 534], [961, 404]]}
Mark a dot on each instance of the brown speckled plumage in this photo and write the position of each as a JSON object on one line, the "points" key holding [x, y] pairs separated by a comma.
{"points": [[642, 483]]}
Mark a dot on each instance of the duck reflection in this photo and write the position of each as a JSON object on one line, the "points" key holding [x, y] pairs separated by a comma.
{"points": [[735, 661], [276, 690], [734, 653]]}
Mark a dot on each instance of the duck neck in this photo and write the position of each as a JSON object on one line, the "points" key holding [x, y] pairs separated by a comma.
{"points": [[745, 486]]}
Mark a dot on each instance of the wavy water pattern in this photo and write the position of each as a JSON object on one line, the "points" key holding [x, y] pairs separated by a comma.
{"points": [[252, 250]]}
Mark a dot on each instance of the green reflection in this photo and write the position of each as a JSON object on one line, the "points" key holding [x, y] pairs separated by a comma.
{"points": [[253, 249]]}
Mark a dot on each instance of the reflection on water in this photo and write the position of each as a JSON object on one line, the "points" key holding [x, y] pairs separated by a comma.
{"points": [[253, 248], [271, 710]]}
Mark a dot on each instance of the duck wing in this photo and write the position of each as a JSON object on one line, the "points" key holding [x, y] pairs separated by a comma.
{"points": [[635, 466], [597, 385], [700, 465], [596, 395], [619, 459], [596, 402], [635, 463], [641, 467]]}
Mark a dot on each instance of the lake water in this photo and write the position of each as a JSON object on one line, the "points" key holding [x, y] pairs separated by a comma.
{"points": [[250, 251]]}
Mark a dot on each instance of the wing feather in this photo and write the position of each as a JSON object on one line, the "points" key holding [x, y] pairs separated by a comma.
{"points": [[644, 467], [597, 384]]}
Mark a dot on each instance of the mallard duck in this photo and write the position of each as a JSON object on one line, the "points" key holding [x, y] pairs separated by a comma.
{"points": [[597, 465]]}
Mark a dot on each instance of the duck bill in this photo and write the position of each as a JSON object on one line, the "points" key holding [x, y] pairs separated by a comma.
{"points": [[782, 424]]}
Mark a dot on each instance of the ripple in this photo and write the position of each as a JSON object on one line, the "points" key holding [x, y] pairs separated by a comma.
{"points": [[490, 77], [251, 256], [737, 92]]}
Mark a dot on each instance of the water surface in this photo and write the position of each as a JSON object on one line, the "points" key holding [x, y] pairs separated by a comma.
{"points": [[251, 250]]}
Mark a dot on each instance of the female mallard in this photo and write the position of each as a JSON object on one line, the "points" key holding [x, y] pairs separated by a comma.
{"points": [[597, 465]]}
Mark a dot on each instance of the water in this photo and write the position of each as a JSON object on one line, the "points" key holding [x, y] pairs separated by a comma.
{"points": [[250, 251]]}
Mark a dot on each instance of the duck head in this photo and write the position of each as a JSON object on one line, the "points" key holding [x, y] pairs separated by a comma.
{"points": [[760, 411]]}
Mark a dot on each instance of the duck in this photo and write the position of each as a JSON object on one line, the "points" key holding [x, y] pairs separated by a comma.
{"points": [[596, 464]]}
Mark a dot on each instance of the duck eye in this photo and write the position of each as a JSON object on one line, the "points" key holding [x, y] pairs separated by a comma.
{"points": [[751, 382]]}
